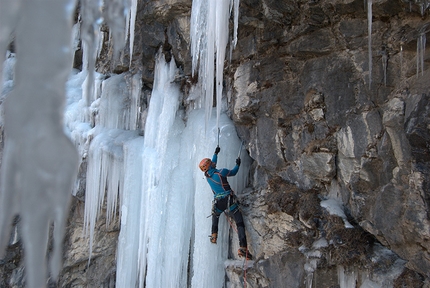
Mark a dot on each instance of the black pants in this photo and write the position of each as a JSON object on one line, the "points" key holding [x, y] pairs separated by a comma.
{"points": [[220, 206]]}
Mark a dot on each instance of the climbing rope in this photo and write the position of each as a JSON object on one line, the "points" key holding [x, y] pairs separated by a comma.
{"points": [[245, 262], [245, 265], [246, 268], [229, 221]]}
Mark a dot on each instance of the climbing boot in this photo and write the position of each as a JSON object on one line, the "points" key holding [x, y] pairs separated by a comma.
{"points": [[213, 237], [244, 252]]}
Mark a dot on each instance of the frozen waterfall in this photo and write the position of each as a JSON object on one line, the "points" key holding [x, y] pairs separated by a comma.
{"points": [[165, 199], [154, 179]]}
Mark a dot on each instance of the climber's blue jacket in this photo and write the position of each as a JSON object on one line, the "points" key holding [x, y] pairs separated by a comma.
{"points": [[217, 179]]}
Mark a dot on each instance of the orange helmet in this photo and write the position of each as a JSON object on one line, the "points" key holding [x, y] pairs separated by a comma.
{"points": [[205, 164]]}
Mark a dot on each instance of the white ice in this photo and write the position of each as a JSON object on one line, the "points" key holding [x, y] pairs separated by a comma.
{"points": [[347, 279], [40, 162], [163, 196], [209, 39], [335, 207], [369, 38], [421, 48]]}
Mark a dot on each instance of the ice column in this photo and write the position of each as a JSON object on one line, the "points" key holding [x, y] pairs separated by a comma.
{"points": [[159, 162], [40, 162], [128, 242]]}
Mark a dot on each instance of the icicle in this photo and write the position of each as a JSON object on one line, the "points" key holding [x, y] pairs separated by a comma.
{"points": [[236, 21], [132, 21], [105, 166], [207, 77], [116, 12], [38, 168], [369, 33], [384, 59], [91, 21], [401, 60], [128, 243], [221, 39], [418, 57], [423, 51], [8, 18], [209, 37], [421, 48], [197, 30], [105, 160]]}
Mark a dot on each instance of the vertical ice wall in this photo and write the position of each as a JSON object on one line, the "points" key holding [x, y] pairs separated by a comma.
{"points": [[40, 162], [160, 160]]}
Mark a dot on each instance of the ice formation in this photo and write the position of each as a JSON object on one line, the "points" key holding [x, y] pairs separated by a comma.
{"points": [[421, 48], [40, 162], [369, 38], [154, 179], [163, 196], [209, 38]]}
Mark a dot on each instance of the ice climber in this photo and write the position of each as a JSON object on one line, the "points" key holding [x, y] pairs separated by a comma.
{"points": [[224, 199]]}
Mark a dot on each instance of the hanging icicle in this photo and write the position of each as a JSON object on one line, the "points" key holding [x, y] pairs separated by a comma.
{"points": [[401, 60], [209, 38], [421, 48], [384, 59], [369, 32]]}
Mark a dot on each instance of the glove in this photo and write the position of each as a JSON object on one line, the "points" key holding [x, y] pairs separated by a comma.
{"points": [[217, 149], [238, 161]]}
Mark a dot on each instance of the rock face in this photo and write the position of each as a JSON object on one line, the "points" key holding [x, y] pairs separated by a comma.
{"points": [[321, 134]]}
